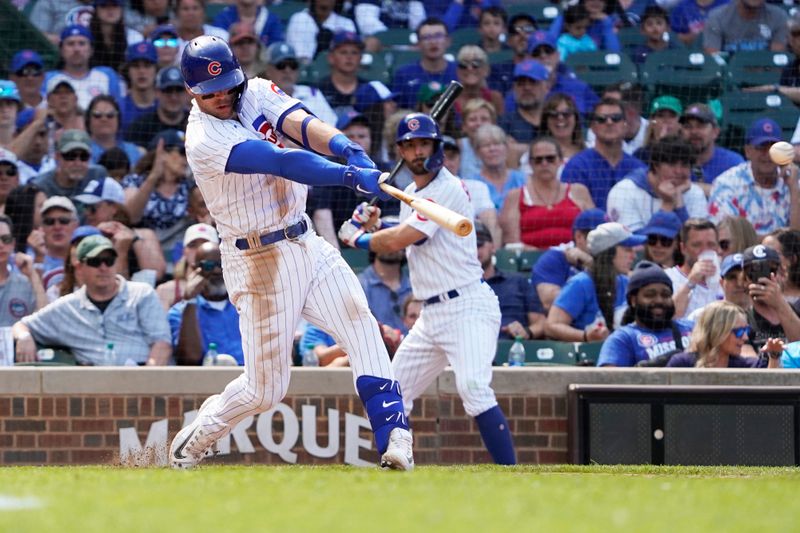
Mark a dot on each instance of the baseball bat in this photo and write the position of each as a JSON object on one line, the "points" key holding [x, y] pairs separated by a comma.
{"points": [[444, 217]]}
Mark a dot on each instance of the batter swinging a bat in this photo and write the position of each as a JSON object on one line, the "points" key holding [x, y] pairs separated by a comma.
{"points": [[275, 267], [460, 318]]}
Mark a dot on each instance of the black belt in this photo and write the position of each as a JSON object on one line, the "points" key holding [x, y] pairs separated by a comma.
{"points": [[289, 232], [449, 295]]}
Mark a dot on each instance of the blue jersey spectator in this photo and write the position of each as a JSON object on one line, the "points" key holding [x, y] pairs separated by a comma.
{"points": [[387, 286], [217, 322], [458, 15], [267, 25], [140, 71]]}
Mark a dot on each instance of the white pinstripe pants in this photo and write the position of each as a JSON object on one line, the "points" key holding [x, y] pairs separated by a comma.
{"points": [[461, 332], [272, 286]]}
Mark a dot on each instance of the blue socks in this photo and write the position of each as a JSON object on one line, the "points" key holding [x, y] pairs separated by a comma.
{"points": [[384, 405], [496, 436]]}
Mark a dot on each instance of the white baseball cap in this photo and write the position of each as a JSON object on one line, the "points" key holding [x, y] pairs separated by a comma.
{"points": [[97, 191], [611, 234], [200, 231], [61, 202], [7, 156]]}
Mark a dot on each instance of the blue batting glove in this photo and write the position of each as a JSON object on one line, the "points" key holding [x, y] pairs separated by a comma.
{"points": [[359, 158], [343, 147], [364, 181]]}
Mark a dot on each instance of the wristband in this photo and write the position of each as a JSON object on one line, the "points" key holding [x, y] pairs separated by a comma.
{"points": [[340, 145], [363, 241]]}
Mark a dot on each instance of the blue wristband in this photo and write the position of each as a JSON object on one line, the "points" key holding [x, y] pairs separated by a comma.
{"points": [[341, 146], [363, 241]]}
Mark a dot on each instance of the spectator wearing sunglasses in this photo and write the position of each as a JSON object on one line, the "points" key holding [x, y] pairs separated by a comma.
{"points": [[172, 291], [73, 170], [26, 70], [107, 309], [631, 97], [171, 111], [283, 68], [662, 239], [21, 291], [310, 31], [139, 71], [717, 340], [49, 244], [601, 167], [166, 42], [736, 234], [665, 186], [205, 314], [9, 175], [520, 27], [103, 126], [472, 72]]}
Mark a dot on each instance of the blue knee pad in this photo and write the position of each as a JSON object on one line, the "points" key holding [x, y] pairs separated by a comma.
{"points": [[384, 404], [496, 436]]}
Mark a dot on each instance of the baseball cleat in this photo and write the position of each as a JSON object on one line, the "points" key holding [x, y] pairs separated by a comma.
{"points": [[186, 450], [399, 454]]}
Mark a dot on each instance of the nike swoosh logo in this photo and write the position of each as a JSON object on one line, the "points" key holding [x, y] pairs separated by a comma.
{"points": [[389, 417], [360, 189], [389, 404], [382, 387]]}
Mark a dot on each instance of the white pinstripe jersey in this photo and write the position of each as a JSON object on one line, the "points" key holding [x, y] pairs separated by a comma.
{"points": [[444, 261], [243, 203]]}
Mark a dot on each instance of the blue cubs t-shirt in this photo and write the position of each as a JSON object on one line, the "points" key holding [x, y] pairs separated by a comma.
{"points": [[721, 160], [630, 344], [552, 267], [578, 300]]}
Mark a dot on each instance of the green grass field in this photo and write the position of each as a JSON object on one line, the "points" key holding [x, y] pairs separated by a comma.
{"points": [[473, 498]]}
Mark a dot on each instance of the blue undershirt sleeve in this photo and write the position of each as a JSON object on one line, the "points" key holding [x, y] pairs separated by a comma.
{"points": [[260, 157]]}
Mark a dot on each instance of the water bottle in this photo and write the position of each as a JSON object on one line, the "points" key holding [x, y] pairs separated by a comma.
{"points": [[109, 357], [516, 355], [210, 359], [310, 358]]}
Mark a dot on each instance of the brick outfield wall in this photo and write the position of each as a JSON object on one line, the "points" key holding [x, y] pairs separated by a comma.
{"points": [[84, 429]]}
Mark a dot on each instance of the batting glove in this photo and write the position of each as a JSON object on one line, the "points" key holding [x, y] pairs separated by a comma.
{"points": [[357, 157], [364, 181], [353, 235], [362, 213]]}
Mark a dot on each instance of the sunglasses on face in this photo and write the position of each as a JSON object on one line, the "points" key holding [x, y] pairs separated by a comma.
{"points": [[161, 43], [95, 262], [212, 95], [541, 159], [283, 65], [741, 332], [607, 119], [209, 265], [30, 72], [724, 244], [527, 28], [172, 91], [9, 172], [6, 239], [543, 50], [76, 154], [661, 240], [51, 221], [560, 114], [109, 115], [466, 65]]}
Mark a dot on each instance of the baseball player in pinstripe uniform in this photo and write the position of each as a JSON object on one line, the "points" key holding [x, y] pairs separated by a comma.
{"points": [[275, 267], [460, 318]]}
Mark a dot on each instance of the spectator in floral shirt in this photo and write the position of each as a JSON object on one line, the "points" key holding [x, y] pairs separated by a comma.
{"points": [[767, 196]]}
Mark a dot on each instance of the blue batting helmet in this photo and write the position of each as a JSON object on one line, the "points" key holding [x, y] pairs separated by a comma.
{"points": [[208, 66], [422, 126]]}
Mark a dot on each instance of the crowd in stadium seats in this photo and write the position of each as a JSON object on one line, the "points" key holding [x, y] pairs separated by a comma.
{"points": [[616, 153]]}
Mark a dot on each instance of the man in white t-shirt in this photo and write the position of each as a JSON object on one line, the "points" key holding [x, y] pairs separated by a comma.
{"points": [[696, 282]]}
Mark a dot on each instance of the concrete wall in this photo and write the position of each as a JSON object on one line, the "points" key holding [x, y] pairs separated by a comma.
{"points": [[54, 415]]}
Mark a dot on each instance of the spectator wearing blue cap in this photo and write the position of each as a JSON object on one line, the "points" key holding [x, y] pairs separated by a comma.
{"points": [[165, 39], [171, 110], [758, 190], [374, 16], [111, 36], [662, 238], [10, 105], [309, 31], [531, 85], [283, 68], [103, 126], [27, 71], [21, 291], [50, 16], [76, 49], [434, 41], [267, 26], [558, 264], [140, 73]]}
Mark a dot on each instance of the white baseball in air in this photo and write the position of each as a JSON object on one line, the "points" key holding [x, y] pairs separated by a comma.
{"points": [[781, 153]]}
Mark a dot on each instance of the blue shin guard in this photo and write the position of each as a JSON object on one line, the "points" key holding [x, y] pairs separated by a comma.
{"points": [[384, 404], [496, 436]]}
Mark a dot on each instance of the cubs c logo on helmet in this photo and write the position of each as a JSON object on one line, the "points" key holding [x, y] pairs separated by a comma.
{"points": [[413, 124], [214, 68]]}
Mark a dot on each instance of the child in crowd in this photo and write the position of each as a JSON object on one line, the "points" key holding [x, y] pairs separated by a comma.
{"points": [[492, 25], [575, 39], [655, 29]]}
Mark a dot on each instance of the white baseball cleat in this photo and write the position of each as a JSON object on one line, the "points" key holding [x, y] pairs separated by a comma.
{"points": [[191, 444], [399, 455]]}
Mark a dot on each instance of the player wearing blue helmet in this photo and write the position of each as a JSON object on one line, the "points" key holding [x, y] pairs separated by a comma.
{"points": [[460, 318], [276, 268]]}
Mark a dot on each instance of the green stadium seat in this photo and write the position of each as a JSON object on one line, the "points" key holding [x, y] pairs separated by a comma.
{"points": [[374, 68], [286, 9], [397, 58], [501, 56], [631, 37], [749, 68], [357, 258], [540, 352], [740, 109], [212, 10], [462, 37], [319, 68], [507, 260], [690, 76], [602, 68], [588, 353], [396, 37], [528, 259]]}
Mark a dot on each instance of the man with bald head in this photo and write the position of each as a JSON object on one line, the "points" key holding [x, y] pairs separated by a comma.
{"points": [[205, 315]]}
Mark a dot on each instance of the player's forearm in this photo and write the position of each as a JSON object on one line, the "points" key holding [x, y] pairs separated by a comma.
{"points": [[317, 133]]}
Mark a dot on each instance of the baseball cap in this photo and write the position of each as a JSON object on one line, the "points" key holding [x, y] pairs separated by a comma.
{"points": [[539, 38], [759, 252], [57, 81], [666, 102], [61, 202], [169, 77], [9, 91], [450, 143], [349, 117], [610, 234], [699, 111], [346, 37], [107, 3], [277, 52], [531, 69], [665, 223], [172, 137], [75, 30], [23, 58], [429, 91], [72, 140], [763, 130], [97, 191], [240, 31], [482, 233], [143, 50], [645, 274], [729, 262], [7, 156], [371, 93], [92, 246], [82, 232], [200, 231], [164, 29], [589, 219]]}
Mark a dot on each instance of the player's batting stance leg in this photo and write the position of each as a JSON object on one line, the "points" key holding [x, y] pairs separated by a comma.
{"points": [[276, 268]]}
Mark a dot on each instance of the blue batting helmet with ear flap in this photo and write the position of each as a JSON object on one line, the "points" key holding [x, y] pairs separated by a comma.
{"points": [[208, 66], [422, 126]]}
